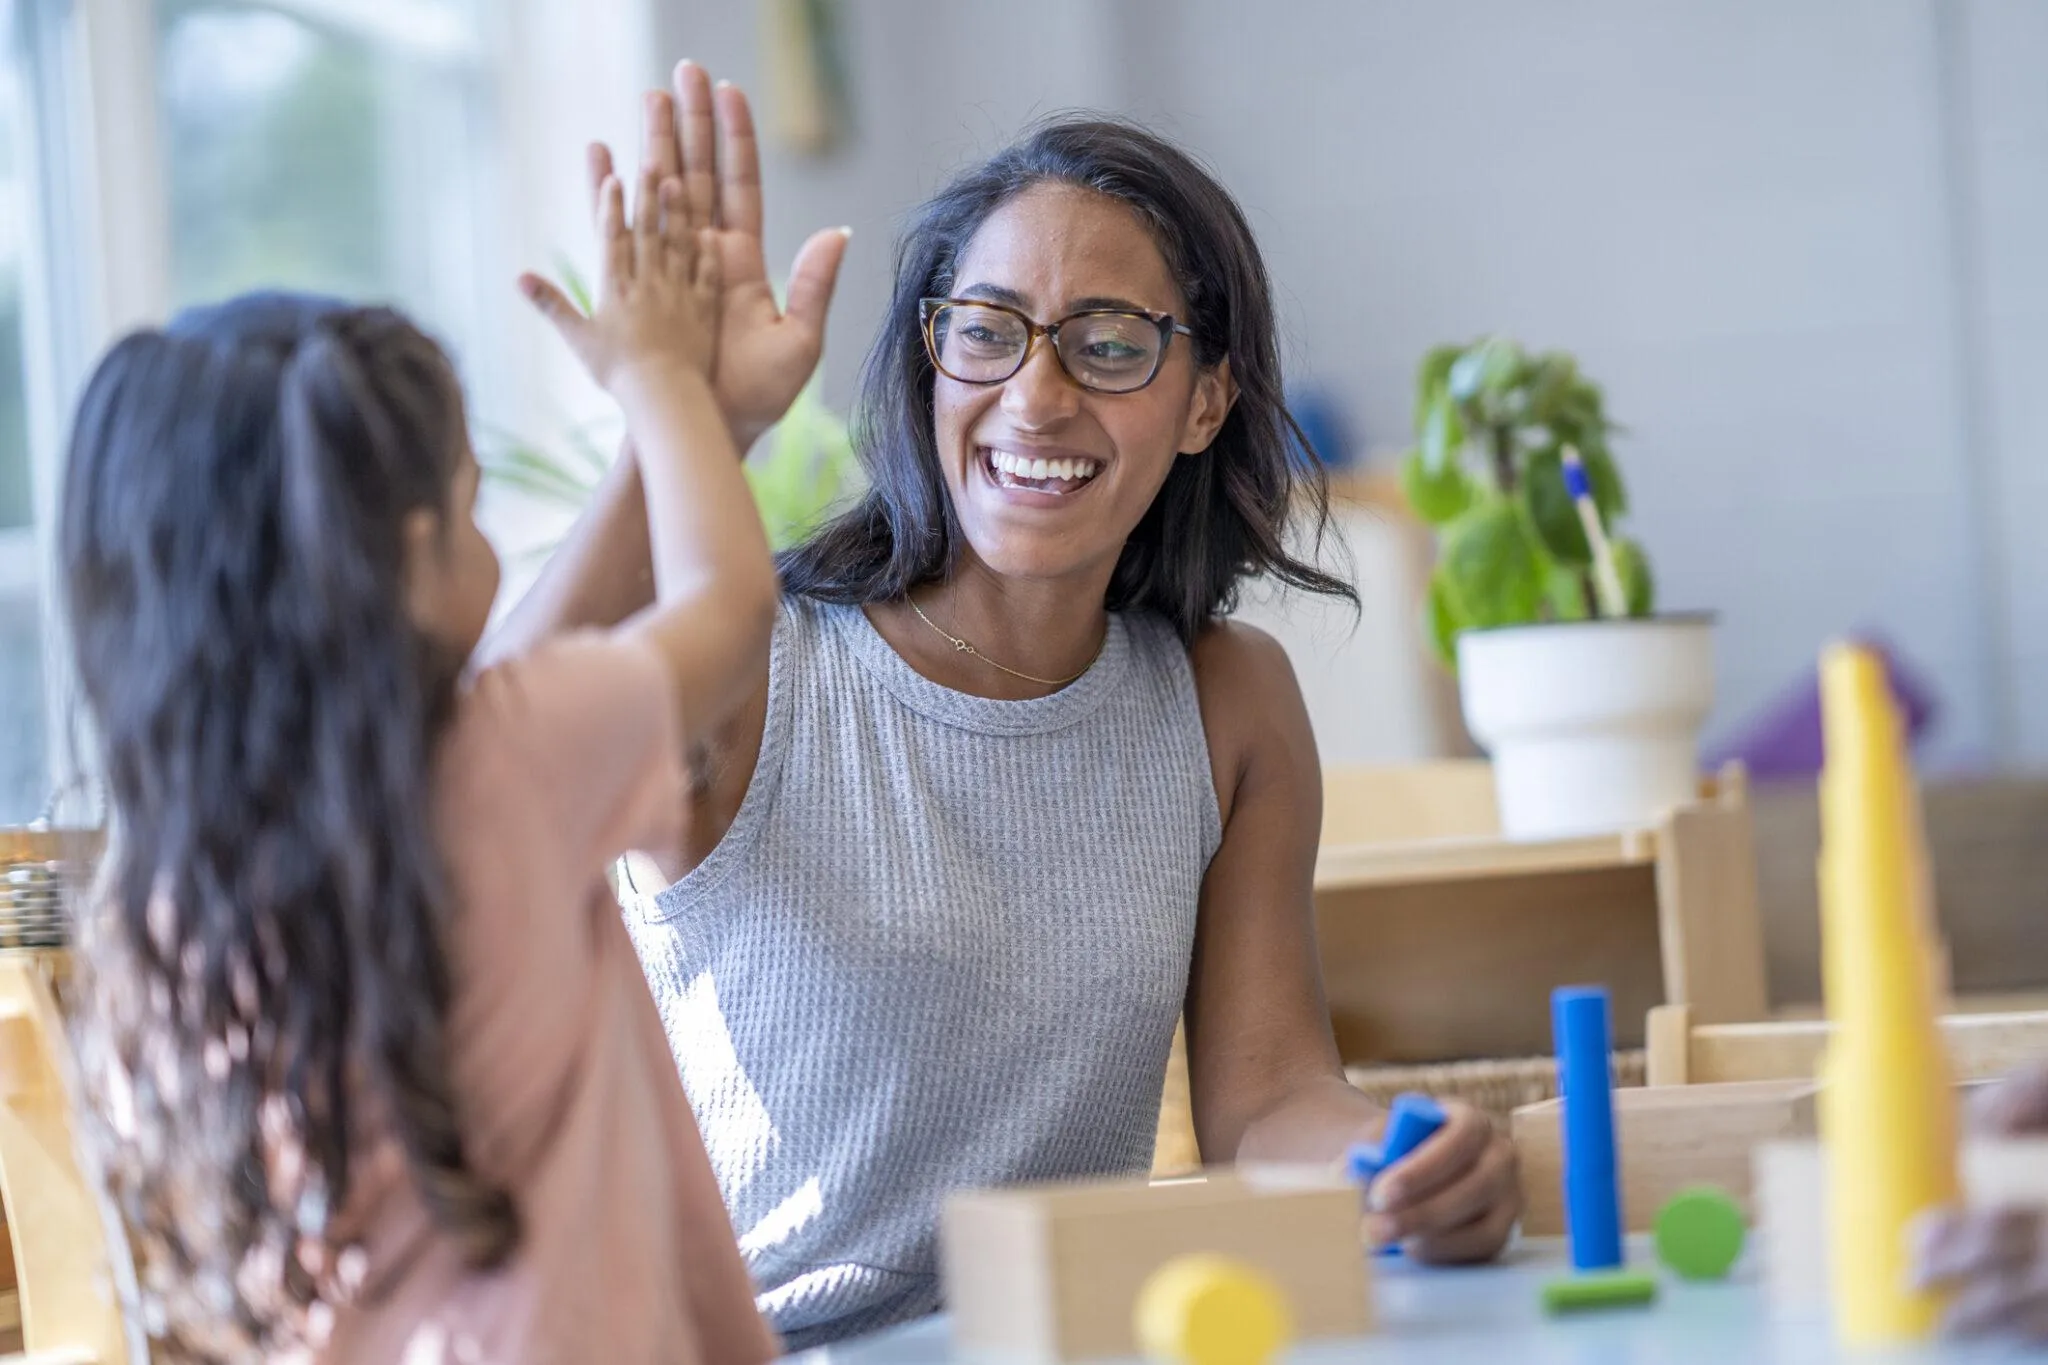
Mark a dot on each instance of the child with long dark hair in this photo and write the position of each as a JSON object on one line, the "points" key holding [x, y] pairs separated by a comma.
{"points": [[373, 1070]]}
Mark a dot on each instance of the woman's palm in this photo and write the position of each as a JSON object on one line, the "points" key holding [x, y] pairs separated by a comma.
{"points": [[765, 351]]}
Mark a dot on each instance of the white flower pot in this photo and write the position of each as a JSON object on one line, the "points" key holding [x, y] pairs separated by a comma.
{"points": [[1591, 725]]}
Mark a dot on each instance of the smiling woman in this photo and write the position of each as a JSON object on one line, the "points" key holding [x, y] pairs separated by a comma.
{"points": [[1012, 797]]}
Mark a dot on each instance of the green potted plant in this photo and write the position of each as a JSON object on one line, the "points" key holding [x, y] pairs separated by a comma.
{"points": [[1589, 704]]}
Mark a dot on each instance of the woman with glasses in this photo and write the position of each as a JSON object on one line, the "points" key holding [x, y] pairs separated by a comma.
{"points": [[1014, 794]]}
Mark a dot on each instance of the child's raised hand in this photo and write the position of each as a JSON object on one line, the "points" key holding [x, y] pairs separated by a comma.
{"points": [[658, 296]]}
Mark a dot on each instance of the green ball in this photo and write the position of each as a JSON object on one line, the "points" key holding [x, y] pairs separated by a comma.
{"points": [[1700, 1233]]}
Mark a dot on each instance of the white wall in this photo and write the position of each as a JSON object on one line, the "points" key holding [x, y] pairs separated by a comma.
{"points": [[1798, 243]]}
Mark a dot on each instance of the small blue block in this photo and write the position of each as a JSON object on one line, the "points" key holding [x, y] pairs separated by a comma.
{"points": [[1410, 1123]]}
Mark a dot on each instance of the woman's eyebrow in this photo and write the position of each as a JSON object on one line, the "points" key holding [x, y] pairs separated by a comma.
{"points": [[995, 293], [1095, 301]]}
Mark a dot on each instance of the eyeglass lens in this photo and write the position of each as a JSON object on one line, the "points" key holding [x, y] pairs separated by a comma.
{"points": [[1114, 352]]}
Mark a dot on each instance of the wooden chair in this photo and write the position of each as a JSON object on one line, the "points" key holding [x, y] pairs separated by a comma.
{"points": [[61, 1276], [57, 1299]]}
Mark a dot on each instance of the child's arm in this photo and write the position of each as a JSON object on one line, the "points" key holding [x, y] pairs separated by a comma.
{"points": [[601, 573], [649, 343]]}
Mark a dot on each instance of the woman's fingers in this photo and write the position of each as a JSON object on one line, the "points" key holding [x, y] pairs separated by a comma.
{"points": [[739, 164], [708, 275], [813, 276], [658, 145], [1437, 1164], [699, 144], [1486, 1183], [1478, 1240]]}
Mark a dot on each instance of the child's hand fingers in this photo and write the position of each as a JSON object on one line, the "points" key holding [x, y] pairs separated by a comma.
{"points": [[1956, 1246], [2015, 1106], [597, 160], [677, 236], [552, 304], [1438, 1163], [649, 247], [617, 241], [2012, 1302]]}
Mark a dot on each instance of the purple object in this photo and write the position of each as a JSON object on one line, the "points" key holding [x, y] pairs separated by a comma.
{"points": [[1784, 740]]}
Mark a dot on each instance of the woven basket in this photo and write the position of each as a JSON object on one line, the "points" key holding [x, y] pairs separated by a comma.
{"points": [[1496, 1088], [37, 868]]}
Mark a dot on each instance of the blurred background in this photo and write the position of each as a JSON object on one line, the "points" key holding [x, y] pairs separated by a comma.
{"points": [[1798, 242]]}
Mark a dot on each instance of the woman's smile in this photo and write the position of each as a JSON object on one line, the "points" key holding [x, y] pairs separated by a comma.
{"points": [[1036, 475]]}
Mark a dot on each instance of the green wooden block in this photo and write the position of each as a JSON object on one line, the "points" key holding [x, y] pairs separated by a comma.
{"points": [[1604, 1289], [1700, 1233]]}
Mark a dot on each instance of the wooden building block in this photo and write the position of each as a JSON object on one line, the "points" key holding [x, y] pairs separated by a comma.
{"points": [[1052, 1272], [1670, 1139], [1791, 1205], [1980, 1046], [1665, 913]]}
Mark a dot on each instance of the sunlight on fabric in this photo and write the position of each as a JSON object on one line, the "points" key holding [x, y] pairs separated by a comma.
{"points": [[785, 1220], [741, 1143]]}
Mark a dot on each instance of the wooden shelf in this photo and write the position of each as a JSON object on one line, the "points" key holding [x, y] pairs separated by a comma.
{"points": [[1344, 867]]}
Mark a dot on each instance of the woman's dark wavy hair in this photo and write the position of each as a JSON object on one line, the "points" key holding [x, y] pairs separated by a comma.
{"points": [[265, 980], [1217, 520]]}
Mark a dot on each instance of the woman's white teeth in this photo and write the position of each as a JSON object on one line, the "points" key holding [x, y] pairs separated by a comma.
{"points": [[1067, 470]]}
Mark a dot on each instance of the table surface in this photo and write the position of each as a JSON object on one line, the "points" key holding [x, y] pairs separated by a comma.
{"points": [[1432, 1317]]}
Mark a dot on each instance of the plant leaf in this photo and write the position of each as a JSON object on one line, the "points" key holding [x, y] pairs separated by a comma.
{"points": [[1493, 570], [1443, 435], [1552, 511], [574, 285], [1442, 621], [1638, 584], [1550, 506], [1430, 380], [1437, 494], [1564, 592]]}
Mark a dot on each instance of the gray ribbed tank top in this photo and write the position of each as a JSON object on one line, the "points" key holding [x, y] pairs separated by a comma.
{"points": [[943, 945]]}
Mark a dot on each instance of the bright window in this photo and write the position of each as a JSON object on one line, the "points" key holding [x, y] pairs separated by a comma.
{"points": [[24, 771], [326, 146]]}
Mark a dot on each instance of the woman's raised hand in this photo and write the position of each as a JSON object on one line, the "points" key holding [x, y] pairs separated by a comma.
{"points": [[764, 353]]}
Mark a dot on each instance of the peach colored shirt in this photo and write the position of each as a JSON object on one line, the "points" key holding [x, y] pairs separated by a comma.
{"points": [[554, 765]]}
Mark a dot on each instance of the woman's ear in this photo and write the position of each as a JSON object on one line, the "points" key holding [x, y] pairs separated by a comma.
{"points": [[1215, 394]]}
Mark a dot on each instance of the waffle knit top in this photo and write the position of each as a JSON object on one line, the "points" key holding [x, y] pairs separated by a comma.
{"points": [[943, 945]]}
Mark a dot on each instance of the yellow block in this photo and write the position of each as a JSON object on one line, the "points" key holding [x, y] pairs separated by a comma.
{"points": [[1887, 1107], [1211, 1310]]}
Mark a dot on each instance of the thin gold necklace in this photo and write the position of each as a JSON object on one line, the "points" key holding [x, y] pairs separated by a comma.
{"points": [[960, 646]]}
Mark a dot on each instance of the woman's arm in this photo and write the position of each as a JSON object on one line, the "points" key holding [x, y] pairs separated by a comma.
{"points": [[1266, 1079]]}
